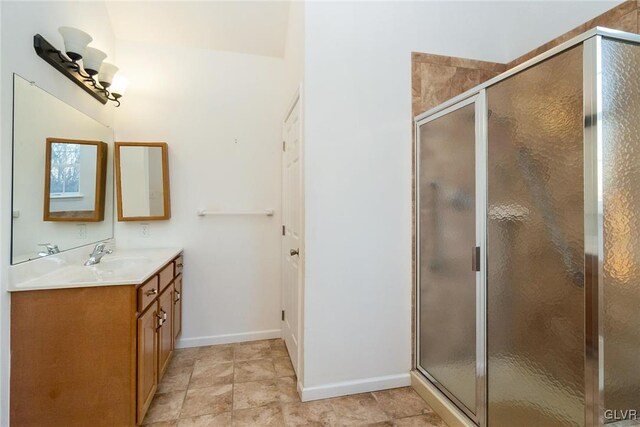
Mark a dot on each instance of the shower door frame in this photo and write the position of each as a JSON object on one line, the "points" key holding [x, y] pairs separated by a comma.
{"points": [[481, 147]]}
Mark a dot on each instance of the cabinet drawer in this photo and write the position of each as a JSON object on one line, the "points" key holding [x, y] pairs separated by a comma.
{"points": [[179, 264], [166, 276], [147, 293]]}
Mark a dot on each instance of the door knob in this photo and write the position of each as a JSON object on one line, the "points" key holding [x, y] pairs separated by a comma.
{"points": [[293, 252]]}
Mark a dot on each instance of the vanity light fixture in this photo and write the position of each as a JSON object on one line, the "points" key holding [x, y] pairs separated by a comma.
{"points": [[83, 65]]}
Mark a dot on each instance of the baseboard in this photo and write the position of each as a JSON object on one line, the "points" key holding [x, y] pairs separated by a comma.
{"points": [[229, 338], [451, 415], [354, 387]]}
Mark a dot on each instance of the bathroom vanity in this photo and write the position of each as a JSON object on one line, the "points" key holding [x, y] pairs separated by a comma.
{"points": [[89, 345]]}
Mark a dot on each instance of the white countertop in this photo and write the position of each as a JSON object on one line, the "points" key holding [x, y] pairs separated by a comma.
{"points": [[122, 267]]}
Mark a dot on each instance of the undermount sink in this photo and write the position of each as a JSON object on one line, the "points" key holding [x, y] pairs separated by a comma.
{"points": [[121, 262]]}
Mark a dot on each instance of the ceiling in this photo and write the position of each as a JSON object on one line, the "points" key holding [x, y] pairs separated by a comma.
{"points": [[252, 27]]}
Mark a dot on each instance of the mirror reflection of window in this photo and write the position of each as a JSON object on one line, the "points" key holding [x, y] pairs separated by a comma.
{"points": [[65, 170]]}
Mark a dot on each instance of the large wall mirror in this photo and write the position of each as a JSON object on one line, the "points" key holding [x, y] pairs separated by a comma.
{"points": [[142, 181], [62, 176]]}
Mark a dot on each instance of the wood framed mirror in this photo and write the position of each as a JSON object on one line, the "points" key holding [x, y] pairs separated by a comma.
{"points": [[142, 181], [75, 180]]}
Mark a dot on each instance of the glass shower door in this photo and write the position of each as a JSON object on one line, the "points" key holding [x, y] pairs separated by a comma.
{"points": [[535, 246], [449, 283]]}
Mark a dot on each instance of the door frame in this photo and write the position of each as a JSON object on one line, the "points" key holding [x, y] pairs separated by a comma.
{"points": [[481, 147], [296, 99]]}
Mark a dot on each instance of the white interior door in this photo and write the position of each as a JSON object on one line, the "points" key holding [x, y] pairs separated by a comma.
{"points": [[292, 230]]}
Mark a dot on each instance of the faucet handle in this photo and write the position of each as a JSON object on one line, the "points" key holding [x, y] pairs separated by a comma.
{"points": [[100, 247], [51, 248]]}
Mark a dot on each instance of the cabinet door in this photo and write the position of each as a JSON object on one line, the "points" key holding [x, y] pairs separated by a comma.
{"points": [[177, 307], [147, 358], [165, 333]]}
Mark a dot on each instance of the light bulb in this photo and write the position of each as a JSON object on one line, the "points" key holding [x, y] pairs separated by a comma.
{"points": [[119, 85]]}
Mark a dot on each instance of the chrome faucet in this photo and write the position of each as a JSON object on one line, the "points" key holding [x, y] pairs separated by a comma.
{"points": [[98, 252], [51, 249]]}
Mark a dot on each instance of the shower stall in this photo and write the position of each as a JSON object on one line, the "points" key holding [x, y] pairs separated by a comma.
{"points": [[528, 240]]}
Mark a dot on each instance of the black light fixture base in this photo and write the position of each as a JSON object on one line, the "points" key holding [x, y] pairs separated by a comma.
{"points": [[53, 56]]}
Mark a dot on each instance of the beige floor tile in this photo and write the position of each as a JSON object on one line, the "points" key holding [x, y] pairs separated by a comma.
{"points": [[205, 375], [288, 389], [254, 394], [278, 348], [283, 366], [317, 413], [401, 402], [257, 381], [184, 357], [220, 420], [175, 379], [427, 420], [215, 354], [164, 407], [254, 370], [265, 416], [205, 401], [252, 350], [357, 410]]}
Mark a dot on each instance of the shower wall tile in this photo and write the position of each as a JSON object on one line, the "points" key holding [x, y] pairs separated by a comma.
{"points": [[437, 78]]}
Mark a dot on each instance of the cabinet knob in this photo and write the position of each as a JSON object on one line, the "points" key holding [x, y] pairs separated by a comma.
{"points": [[151, 292], [178, 296]]}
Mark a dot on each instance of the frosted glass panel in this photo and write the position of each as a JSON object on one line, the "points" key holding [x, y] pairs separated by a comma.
{"points": [[447, 236], [535, 287], [621, 203]]}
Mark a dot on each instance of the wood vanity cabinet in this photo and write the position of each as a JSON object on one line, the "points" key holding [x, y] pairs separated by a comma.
{"points": [[93, 355]]}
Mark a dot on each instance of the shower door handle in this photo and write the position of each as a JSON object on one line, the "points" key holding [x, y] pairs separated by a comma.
{"points": [[475, 258]]}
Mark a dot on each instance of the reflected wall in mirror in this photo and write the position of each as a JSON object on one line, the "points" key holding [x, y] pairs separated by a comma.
{"points": [[38, 116], [142, 181], [75, 175]]}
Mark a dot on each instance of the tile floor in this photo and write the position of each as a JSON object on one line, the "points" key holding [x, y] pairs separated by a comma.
{"points": [[253, 384]]}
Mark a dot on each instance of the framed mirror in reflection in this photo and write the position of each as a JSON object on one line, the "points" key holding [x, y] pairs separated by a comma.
{"points": [[142, 181], [62, 176], [75, 175]]}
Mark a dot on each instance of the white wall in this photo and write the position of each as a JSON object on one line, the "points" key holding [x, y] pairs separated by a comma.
{"points": [[294, 48], [20, 21], [358, 167], [220, 114]]}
